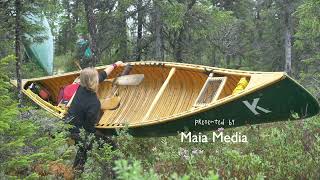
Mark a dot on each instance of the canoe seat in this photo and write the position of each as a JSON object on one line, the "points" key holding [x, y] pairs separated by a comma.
{"points": [[210, 91]]}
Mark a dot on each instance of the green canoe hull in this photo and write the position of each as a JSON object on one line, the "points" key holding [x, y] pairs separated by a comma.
{"points": [[281, 101]]}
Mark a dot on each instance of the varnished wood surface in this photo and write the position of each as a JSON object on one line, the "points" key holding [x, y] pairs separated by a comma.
{"points": [[177, 97]]}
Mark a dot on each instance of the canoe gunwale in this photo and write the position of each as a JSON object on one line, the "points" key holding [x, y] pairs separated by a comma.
{"points": [[41, 104], [196, 68], [197, 110], [192, 67]]}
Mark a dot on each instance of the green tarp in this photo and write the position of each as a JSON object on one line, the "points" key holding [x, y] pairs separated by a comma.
{"points": [[42, 51]]}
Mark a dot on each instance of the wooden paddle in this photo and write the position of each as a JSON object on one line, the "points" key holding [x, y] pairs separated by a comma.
{"points": [[78, 65], [113, 100], [127, 80]]}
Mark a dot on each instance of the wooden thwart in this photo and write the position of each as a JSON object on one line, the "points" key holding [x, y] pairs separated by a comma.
{"points": [[211, 90], [159, 94]]}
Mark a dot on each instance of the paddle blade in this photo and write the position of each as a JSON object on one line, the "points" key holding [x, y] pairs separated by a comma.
{"points": [[110, 103], [130, 80]]}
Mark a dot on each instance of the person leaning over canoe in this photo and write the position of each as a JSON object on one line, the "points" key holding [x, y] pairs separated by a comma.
{"points": [[84, 110]]}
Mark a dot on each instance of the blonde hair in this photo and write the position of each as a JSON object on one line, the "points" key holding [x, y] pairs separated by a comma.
{"points": [[89, 79]]}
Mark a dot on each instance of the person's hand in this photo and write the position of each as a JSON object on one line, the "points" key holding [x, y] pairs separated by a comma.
{"points": [[120, 64], [110, 68]]}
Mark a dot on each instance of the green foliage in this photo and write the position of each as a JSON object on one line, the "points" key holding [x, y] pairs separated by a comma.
{"points": [[174, 14], [25, 142], [32, 69], [309, 23], [64, 63], [100, 161], [134, 171], [29, 28], [308, 29], [308, 44]]}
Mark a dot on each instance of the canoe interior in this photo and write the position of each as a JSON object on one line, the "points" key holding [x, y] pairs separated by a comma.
{"points": [[178, 96]]}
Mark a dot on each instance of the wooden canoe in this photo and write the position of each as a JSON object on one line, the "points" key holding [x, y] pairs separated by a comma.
{"points": [[177, 97]]}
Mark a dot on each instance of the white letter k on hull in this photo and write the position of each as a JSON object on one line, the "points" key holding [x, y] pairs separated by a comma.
{"points": [[255, 106]]}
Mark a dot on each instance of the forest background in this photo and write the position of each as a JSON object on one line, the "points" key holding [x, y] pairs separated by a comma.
{"points": [[259, 35]]}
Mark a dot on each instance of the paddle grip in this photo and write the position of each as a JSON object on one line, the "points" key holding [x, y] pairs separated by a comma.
{"points": [[126, 70]]}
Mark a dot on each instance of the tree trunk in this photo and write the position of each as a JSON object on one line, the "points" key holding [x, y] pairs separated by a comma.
{"points": [[257, 22], [123, 46], [18, 48], [3, 38], [158, 32], [214, 57], [139, 30], [228, 59], [287, 36], [182, 34], [92, 27], [179, 46], [66, 43], [240, 61]]}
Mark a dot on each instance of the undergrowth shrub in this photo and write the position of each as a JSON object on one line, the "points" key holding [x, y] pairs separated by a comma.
{"points": [[100, 161], [282, 150], [27, 146], [133, 171]]}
